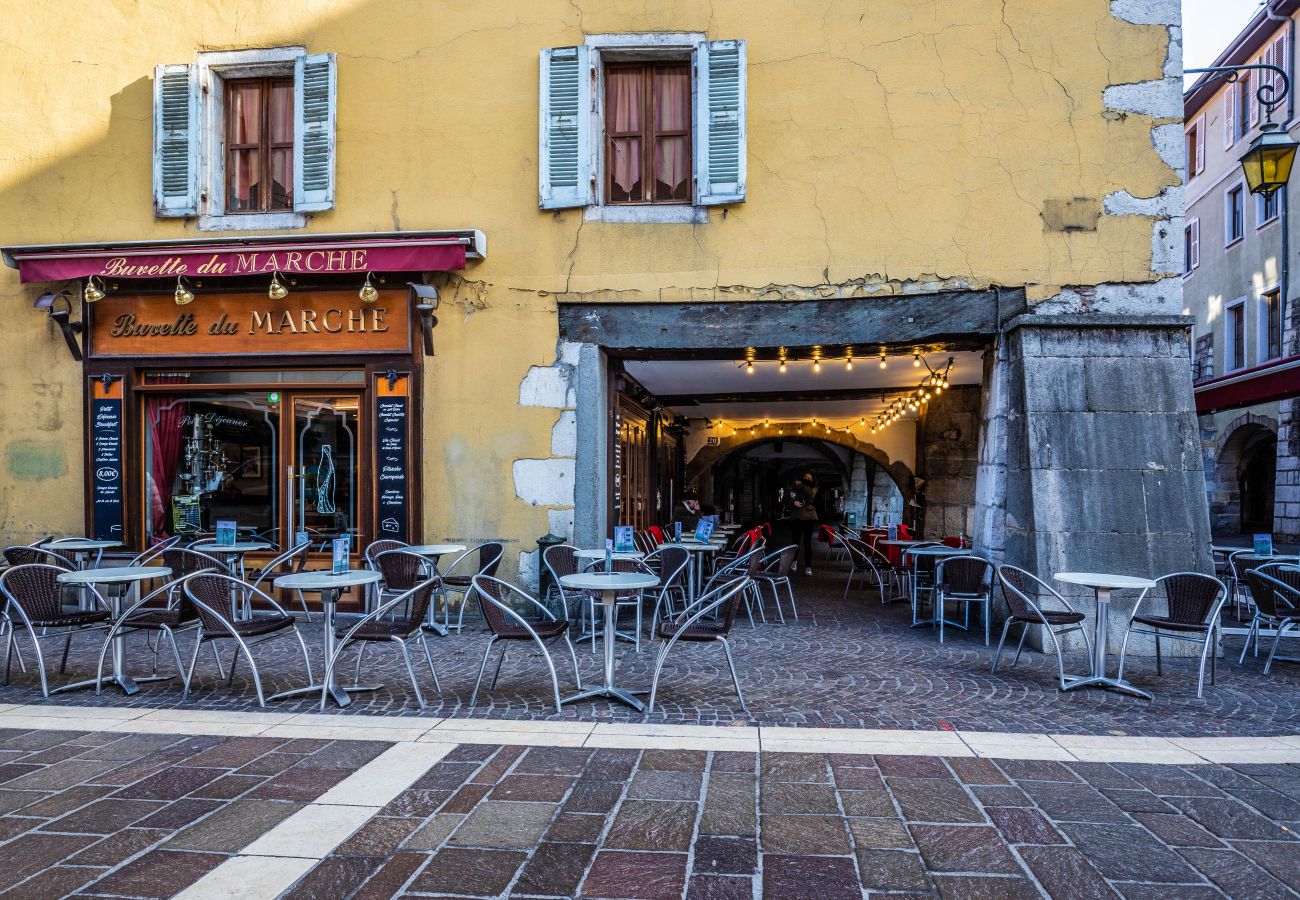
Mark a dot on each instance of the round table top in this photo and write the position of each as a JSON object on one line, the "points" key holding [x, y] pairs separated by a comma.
{"points": [[599, 581], [327, 581], [936, 551], [901, 543], [236, 547], [617, 554], [434, 549], [1098, 580], [79, 545], [695, 545], [115, 574]]}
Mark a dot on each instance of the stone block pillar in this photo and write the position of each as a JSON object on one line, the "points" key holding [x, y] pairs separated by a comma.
{"points": [[1104, 471]]}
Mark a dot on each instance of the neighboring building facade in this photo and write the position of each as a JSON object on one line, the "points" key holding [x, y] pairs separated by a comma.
{"points": [[757, 176], [1236, 284]]}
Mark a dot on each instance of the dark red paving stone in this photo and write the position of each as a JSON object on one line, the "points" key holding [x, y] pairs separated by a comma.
{"points": [[804, 835], [303, 746], [859, 780], [170, 784], [465, 799], [976, 771], [1036, 770], [851, 760], [12, 826], [720, 887], [1001, 795], [1102, 775], [933, 800], [1281, 858], [38, 740], [1271, 804], [228, 787], [334, 877], [1229, 819], [394, 873], [498, 765], [734, 761], [551, 788], [158, 874], [555, 870], [379, 837], [1023, 826], [64, 802], [1128, 853], [12, 801], [1177, 830], [58, 881], [28, 854], [11, 771], [567, 761], [825, 878], [456, 870], [418, 803], [983, 887], [235, 752], [233, 826], [272, 763], [777, 798], [963, 848], [300, 784], [652, 825], [612, 762], [594, 796], [104, 816], [55, 754], [1236, 875], [118, 848], [880, 834], [1137, 801], [912, 766], [1065, 873], [675, 760], [471, 753], [575, 828], [799, 767], [891, 870], [867, 803], [662, 784], [725, 856], [445, 776], [180, 813], [624, 875], [1073, 802], [1134, 891]]}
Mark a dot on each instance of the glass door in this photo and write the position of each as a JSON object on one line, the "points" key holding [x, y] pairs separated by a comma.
{"points": [[323, 433]]}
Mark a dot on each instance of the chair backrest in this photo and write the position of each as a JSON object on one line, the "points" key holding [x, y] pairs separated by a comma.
{"points": [[1017, 585], [672, 565], [157, 550], [184, 563], [419, 597], [781, 562], [656, 534], [29, 556], [561, 559], [1273, 597], [210, 593], [374, 548], [489, 557], [494, 601], [964, 574], [401, 568], [290, 562], [730, 593], [1191, 596], [35, 588]]}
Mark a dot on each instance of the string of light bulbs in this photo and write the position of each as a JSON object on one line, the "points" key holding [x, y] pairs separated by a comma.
{"points": [[94, 290], [817, 357], [932, 385]]}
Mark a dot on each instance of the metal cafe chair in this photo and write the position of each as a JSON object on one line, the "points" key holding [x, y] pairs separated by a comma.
{"points": [[1016, 585], [1277, 606], [860, 564], [22, 555], [672, 565], [291, 561], [34, 601], [145, 557], [211, 595], [560, 559], [485, 559], [1239, 563], [494, 597], [708, 620], [774, 570], [966, 580], [1193, 605], [746, 564], [373, 549], [401, 570], [402, 632]]}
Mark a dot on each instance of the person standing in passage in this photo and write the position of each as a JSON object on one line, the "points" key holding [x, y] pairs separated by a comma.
{"points": [[802, 498]]}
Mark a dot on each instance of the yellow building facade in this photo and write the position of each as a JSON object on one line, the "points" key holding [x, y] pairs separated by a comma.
{"points": [[1026, 153]]}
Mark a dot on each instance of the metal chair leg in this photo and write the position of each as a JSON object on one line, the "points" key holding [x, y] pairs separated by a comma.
{"points": [[497, 673], [67, 645], [1277, 640], [194, 661], [473, 698], [1020, 646], [998, 653], [577, 676], [415, 685], [735, 679], [428, 657], [1159, 667]]}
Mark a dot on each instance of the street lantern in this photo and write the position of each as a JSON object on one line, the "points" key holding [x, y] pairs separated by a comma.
{"points": [[1267, 162]]}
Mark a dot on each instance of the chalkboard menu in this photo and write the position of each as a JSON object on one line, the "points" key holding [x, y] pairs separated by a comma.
{"points": [[391, 458], [106, 466]]}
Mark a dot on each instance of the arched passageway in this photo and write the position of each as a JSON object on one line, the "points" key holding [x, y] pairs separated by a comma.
{"points": [[1245, 473]]}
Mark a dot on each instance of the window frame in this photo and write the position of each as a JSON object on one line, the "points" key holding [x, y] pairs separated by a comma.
{"points": [[648, 135], [1261, 207], [215, 69], [1191, 239], [265, 146], [1230, 361], [1263, 352], [1237, 188], [1194, 148]]}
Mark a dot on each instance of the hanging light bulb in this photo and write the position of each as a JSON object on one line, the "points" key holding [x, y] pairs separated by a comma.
{"points": [[882, 359], [277, 290], [916, 360], [94, 291], [848, 362], [368, 293], [767, 422], [749, 367], [862, 421], [817, 365], [781, 368], [183, 294]]}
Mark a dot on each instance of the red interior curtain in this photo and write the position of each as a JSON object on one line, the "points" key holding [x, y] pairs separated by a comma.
{"points": [[164, 415]]}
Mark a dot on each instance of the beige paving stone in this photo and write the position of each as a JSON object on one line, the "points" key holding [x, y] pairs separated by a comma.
{"points": [[386, 776], [312, 832], [245, 876]]}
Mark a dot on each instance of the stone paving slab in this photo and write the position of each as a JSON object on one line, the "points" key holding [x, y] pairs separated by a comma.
{"points": [[845, 663]]}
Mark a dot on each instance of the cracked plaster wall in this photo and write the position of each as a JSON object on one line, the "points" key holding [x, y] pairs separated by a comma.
{"points": [[852, 110]]}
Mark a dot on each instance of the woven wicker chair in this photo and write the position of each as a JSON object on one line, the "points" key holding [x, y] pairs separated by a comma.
{"points": [[1016, 587], [561, 560], [401, 570], [484, 559], [672, 564], [964, 580], [1277, 605], [508, 626], [708, 620], [33, 597], [290, 562], [1193, 604]]}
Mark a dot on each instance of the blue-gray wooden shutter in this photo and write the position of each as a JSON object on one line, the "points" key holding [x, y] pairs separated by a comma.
{"points": [[720, 122], [315, 96], [176, 140], [564, 129]]}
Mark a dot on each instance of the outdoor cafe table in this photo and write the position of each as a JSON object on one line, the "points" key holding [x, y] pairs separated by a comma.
{"points": [[328, 585], [609, 586], [233, 554], [116, 582], [937, 553], [80, 549], [599, 555], [1102, 586], [433, 553], [695, 572]]}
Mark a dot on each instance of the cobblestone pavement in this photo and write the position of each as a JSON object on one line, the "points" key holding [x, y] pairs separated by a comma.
{"points": [[95, 814], [844, 663]]}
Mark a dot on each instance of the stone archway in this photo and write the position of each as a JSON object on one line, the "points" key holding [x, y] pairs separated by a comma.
{"points": [[1240, 487]]}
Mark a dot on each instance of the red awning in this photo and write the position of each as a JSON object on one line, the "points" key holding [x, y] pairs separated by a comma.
{"points": [[1276, 380], [227, 258]]}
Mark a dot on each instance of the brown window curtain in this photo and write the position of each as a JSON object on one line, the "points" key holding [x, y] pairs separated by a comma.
{"points": [[165, 417], [672, 105], [625, 126], [648, 132]]}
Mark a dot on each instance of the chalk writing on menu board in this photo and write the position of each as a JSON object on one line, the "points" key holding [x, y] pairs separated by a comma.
{"points": [[106, 467], [392, 457]]}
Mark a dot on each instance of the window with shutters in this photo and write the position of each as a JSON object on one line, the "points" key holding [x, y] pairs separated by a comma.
{"points": [[244, 139], [1268, 207], [1234, 325], [1234, 214], [1270, 325], [1195, 140], [1191, 246], [643, 127]]}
